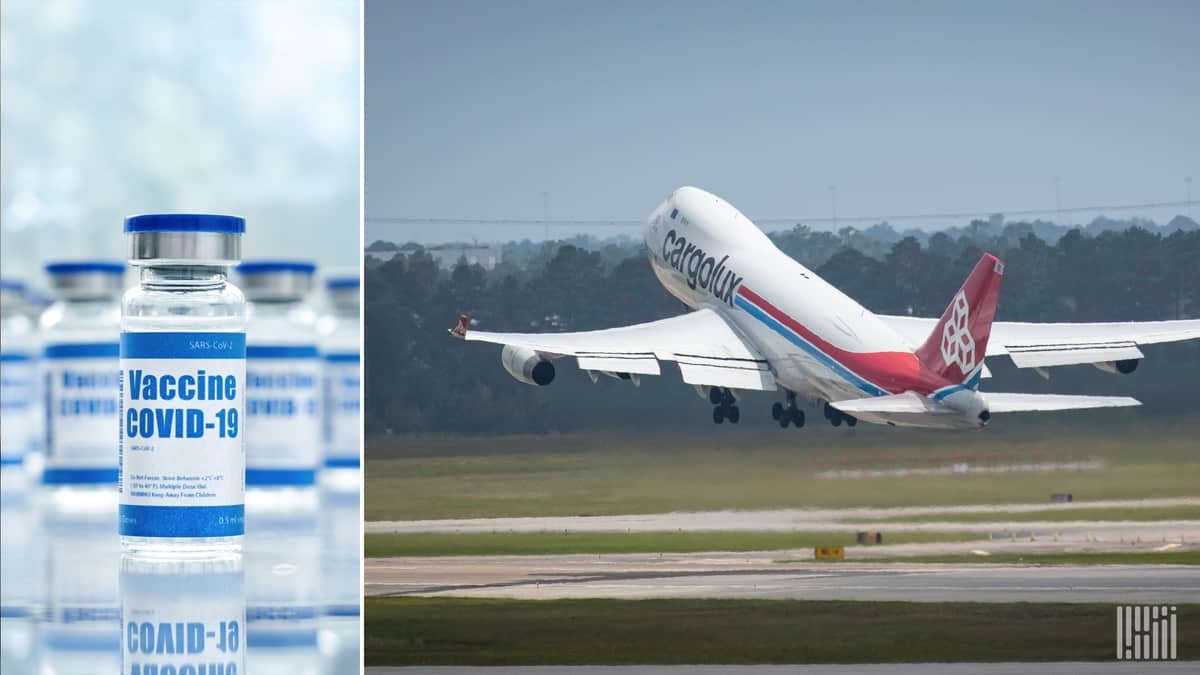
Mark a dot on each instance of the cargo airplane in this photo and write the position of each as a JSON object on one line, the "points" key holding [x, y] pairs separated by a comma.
{"points": [[764, 322]]}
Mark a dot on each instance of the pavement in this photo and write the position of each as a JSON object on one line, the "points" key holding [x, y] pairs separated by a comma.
{"points": [[840, 520], [769, 574], [786, 574]]}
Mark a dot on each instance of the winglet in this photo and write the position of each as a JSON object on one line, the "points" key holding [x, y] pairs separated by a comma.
{"points": [[460, 328]]}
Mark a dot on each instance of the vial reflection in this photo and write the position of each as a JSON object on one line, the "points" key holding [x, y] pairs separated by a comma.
{"points": [[81, 633], [282, 566], [182, 616]]}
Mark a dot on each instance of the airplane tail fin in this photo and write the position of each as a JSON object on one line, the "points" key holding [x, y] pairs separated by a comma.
{"points": [[956, 347]]}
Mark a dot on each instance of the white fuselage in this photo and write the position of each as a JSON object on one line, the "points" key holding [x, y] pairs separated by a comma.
{"points": [[820, 342]]}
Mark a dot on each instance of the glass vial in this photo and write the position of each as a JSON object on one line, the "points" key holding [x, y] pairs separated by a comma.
{"points": [[80, 373], [183, 381]]}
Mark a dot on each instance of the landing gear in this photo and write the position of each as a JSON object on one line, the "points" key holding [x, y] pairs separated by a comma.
{"points": [[788, 414], [725, 406], [836, 417]]}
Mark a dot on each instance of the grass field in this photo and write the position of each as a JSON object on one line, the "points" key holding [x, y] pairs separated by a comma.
{"points": [[1105, 558], [403, 631], [453, 477], [1146, 514], [559, 543]]}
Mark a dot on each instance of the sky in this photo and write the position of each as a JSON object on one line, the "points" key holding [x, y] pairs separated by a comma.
{"points": [[596, 111]]}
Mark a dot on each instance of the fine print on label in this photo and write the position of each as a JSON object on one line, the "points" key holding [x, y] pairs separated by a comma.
{"points": [[283, 432], [342, 409], [18, 387], [82, 395], [182, 463]]}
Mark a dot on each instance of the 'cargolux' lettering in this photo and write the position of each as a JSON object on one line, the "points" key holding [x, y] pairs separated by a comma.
{"points": [[699, 269]]}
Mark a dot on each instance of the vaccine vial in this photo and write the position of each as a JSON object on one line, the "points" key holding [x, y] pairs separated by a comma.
{"points": [[283, 453], [18, 519], [341, 516], [283, 384], [80, 379], [19, 424], [182, 464], [340, 351]]}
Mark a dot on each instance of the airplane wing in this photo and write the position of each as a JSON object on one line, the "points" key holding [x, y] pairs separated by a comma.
{"points": [[910, 402], [1041, 345], [708, 350]]}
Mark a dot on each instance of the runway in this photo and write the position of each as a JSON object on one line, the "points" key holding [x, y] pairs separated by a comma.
{"points": [[792, 574], [767, 575], [840, 520]]}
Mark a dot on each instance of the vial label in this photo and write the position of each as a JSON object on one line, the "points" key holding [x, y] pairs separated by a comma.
{"points": [[82, 398], [182, 464], [182, 620], [342, 403], [283, 423], [18, 416]]}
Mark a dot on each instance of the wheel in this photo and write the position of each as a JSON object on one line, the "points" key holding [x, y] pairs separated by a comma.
{"points": [[776, 410], [836, 420], [784, 419], [828, 410], [718, 415], [715, 395], [797, 417], [734, 414], [851, 421], [728, 399]]}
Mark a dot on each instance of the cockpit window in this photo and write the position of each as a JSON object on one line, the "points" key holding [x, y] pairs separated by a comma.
{"points": [[674, 212]]}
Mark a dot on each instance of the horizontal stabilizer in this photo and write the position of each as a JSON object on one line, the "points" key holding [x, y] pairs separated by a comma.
{"points": [[1002, 403], [911, 402], [908, 402]]}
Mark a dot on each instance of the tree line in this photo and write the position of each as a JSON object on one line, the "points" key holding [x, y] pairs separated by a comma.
{"points": [[419, 380]]}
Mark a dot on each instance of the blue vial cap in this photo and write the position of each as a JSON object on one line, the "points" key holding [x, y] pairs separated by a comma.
{"points": [[85, 267], [185, 222], [341, 283], [253, 267]]}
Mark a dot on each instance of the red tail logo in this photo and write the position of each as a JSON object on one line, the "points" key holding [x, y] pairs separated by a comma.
{"points": [[957, 345]]}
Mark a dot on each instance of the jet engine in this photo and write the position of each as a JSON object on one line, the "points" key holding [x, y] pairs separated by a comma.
{"points": [[1124, 367], [527, 366]]}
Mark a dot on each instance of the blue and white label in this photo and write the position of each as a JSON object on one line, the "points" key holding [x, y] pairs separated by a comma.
{"points": [[181, 453], [82, 388], [18, 415], [181, 618], [342, 410], [283, 414]]}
